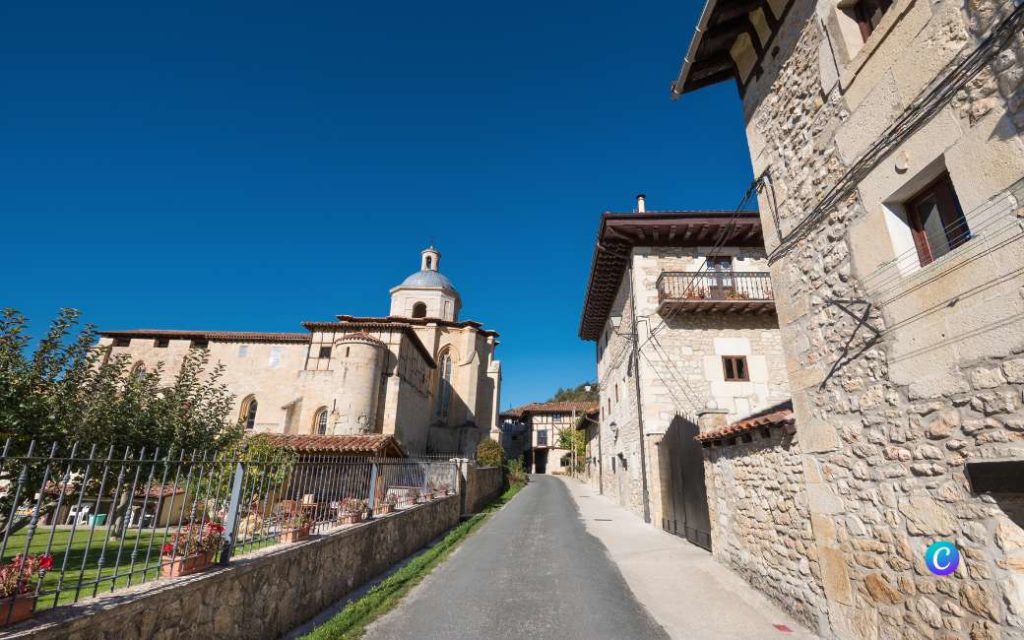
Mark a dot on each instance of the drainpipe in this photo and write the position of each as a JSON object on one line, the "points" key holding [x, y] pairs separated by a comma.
{"points": [[639, 403]]}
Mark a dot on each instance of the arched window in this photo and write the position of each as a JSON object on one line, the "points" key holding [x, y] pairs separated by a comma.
{"points": [[139, 370], [430, 262], [248, 415], [419, 310], [444, 384], [320, 421]]}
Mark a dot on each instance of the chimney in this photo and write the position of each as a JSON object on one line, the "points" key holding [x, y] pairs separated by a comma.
{"points": [[640, 208]]}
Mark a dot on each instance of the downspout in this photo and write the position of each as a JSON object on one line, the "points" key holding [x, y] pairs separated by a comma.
{"points": [[639, 402]]}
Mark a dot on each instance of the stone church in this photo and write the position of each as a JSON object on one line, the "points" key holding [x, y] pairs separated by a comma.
{"points": [[419, 373]]}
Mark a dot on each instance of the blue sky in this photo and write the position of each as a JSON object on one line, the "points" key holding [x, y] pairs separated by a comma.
{"points": [[252, 165]]}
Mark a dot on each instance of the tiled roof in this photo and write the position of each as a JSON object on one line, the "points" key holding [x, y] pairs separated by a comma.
{"points": [[418, 322], [159, 491], [363, 327], [369, 444], [212, 336], [579, 406], [361, 336], [618, 233], [780, 415]]}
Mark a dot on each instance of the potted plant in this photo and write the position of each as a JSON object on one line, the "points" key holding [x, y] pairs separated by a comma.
{"points": [[386, 504], [17, 600], [199, 541], [295, 527], [415, 496], [351, 510]]}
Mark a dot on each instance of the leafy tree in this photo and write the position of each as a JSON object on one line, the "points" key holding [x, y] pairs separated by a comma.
{"points": [[490, 454], [574, 440], [578, 393], [67, 390]]}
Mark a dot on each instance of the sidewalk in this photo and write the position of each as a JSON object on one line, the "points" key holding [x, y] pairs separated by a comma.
{"points": [[681, 586]]}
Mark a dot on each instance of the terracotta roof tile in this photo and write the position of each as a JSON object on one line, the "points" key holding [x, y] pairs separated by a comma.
{"points": [[779, 415], [369, 444], [213, 336], [580, 406]]}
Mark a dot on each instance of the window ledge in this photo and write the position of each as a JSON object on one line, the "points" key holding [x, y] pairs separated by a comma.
{"points": [[878, 36], [937, 268]]}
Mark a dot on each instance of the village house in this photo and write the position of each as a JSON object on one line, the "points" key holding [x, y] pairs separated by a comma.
{"points": [[420, 374], [681, 308], [885, 137], [542, 425]]}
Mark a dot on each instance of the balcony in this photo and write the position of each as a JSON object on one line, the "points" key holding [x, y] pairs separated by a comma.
{"points": [[716, 291]]}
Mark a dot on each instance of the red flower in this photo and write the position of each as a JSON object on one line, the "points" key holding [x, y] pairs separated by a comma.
{"points": [[45, 562], [215, 527], [167, 549]]}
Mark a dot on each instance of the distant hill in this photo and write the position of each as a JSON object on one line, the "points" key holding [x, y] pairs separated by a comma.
{"points": [[577, 394]]}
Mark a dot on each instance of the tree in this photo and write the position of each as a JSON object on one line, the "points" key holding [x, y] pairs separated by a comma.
{"points": [[574, 440], [578, 393], [490, 454], [67, 390]]}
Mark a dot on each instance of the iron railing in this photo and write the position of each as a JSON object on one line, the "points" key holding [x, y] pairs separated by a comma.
{"points": [[715, 286], [78, 522]]}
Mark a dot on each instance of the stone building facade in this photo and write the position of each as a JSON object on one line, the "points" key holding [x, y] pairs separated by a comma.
{"points": [[706, 338], [886, 137], [427, 378]]}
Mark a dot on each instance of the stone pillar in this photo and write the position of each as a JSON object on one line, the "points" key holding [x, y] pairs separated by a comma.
{"points": [[709, 419]]}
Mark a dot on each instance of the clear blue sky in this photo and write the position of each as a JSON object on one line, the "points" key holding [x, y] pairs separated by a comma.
{"points": [[216, 165]]}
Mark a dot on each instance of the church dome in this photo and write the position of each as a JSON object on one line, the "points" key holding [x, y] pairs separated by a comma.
{"points": [[428, 280]]}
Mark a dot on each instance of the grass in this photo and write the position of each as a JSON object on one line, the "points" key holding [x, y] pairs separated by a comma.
{"points": [[351, 622], [91, 575]]}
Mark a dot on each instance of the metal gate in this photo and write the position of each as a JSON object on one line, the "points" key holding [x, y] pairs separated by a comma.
{"points": [[686, 512]]}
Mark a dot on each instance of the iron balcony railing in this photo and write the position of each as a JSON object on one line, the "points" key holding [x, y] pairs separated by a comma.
{"points": [[76, 522], [715, 286]]}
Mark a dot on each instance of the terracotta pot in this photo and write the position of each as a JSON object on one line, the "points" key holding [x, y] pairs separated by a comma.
{"points": [[385, 509], [14, 610], [350, 518], [296, 534], [178, 566]]}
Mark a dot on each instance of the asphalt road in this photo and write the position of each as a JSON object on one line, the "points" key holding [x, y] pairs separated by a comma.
{"points": [[531, 572]]}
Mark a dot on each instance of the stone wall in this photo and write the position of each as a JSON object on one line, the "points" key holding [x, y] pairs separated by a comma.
{"points": [[481, 486], [760, 522], [258, 596], [901, 374]]}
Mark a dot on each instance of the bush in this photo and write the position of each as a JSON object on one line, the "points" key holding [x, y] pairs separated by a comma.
{"points": [[515, 472], [490, 454]]}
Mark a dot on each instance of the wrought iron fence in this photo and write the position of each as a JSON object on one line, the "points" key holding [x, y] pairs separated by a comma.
{"points": [[715, 285], [76, 523]]}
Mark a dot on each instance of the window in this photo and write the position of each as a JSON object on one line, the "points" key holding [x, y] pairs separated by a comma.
{"points": [[735, 368], [122, 342], [248, 414], [616, 393], [162, 343], [419, 310], [275, 357], [868, 13], [139, 371], [542, 438], [936, 220], [444, 385], [320, 421], [243, 350], [430, 262], [325, 352], [199, 343]]}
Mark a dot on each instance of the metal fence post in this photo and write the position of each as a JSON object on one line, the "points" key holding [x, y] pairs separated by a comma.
{"points": [[371, 500], [234, 506]]}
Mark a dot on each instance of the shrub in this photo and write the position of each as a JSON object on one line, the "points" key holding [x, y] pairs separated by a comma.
{"points": [[490, 454], [516, 473]]}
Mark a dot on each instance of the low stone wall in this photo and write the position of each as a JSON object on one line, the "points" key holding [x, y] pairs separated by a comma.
{"points": [[259, 596], [760, 522], [481, 486]]}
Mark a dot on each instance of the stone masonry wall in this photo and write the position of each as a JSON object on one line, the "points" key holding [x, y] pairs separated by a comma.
{"points": [[258, 596], [481, 485], [760, 522], [900, 374]]}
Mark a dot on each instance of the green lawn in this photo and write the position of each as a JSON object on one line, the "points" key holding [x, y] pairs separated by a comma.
{"points": [[91, 573]]}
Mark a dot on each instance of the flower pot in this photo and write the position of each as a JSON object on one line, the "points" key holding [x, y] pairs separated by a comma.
{"points": [[385, 509], [350, 518], [14, 610], [184, 566], [295, 534]]}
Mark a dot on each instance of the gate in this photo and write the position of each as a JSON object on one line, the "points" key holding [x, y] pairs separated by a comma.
{"points": [[686, 512]]}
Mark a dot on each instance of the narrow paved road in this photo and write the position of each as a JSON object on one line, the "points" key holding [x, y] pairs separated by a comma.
{"points": [[531, 572]]}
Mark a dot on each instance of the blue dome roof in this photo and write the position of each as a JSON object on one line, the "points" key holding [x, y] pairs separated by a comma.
{"points": [[428, 280]]}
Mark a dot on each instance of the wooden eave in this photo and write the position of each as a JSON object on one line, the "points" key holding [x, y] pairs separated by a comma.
{"points": [[619, 233]]}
